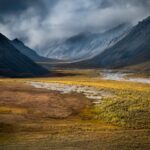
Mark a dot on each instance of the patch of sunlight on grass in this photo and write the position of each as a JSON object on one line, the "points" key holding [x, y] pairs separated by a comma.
{"points": [[12, 110], [98, 83]]}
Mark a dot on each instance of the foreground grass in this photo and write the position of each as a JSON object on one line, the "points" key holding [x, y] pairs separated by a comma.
{"points": [[118, 122], [129, 107]]}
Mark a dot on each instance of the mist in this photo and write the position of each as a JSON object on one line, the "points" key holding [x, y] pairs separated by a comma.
{"points": [[38, 22]]}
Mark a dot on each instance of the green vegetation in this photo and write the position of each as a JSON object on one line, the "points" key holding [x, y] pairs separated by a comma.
{"points": [[130, 109]]}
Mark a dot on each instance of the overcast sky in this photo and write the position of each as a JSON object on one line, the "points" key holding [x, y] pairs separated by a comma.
{"points": [[37, 22]]}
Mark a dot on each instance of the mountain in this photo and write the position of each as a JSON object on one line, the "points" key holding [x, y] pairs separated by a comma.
{"points": [[29, 52], [133, 49], [85, 45], [14, 64], [142, 67]]}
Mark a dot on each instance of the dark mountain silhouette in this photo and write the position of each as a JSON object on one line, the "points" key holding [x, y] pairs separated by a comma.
{"points": [[29, 52], [15, 64]]}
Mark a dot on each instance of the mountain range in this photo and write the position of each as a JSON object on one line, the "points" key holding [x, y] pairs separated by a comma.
{"points": [[122, 46], [18, 44], [132, 49], [15, 64], [84, 45]]}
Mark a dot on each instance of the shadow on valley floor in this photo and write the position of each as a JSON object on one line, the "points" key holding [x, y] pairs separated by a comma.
{"points": [[63, 74], [51, 74]]}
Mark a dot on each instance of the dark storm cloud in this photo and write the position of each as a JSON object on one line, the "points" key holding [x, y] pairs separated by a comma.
{"points": [[16, 6], [39, 21]]}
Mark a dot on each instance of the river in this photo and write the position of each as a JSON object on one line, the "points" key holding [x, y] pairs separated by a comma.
{"points": [[120, 76]]}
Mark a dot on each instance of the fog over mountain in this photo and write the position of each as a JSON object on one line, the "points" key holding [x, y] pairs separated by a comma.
{"points": [[37, 22]]}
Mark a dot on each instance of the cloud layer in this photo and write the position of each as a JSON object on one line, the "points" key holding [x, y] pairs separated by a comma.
{"points": [[37, 22]]}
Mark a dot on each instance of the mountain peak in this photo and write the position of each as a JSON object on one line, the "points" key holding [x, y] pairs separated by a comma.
{"points": [[13, 63], [145, 21], [3, 36], [133, 49], [16, 40]]}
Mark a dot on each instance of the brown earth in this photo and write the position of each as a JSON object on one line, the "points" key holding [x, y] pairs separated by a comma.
{"points": [[39, 119], [25, 102]]}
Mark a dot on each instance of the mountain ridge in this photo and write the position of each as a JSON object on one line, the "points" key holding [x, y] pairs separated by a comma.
{"points": [[133, 49], [14, 64], [85, 45], [18, 44]]}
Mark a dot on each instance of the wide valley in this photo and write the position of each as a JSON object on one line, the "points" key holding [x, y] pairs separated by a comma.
{"points": [[76, 110]]}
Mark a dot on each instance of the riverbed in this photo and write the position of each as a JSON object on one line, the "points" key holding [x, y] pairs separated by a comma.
{"points": [[90, 92], [120, 76]]}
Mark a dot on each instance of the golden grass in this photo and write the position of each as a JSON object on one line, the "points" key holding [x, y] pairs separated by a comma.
{"points": [[130, 107], [98, 83], [12, 110], [118, 122]]}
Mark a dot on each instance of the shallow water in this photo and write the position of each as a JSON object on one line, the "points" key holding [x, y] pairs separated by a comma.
{"points": [[119, 76], [89, 92]]}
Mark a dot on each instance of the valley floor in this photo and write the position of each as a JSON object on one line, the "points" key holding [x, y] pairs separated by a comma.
{"points": [[74, 110]]}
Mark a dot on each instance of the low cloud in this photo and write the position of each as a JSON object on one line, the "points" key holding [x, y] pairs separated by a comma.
{"points": [[37, 22]]}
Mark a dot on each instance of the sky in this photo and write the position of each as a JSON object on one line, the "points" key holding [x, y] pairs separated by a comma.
{"points": [[38, 22]]}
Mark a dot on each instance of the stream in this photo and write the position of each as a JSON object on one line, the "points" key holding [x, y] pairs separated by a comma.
{"points": [[89, 92], [119, 76]]}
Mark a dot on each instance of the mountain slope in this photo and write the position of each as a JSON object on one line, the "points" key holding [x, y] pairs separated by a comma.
{"points": [[133, 49], [14, 63], [85, 45], [29, 52]]}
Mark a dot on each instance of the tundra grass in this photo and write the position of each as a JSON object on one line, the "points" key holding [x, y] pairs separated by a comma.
{"points": [[129, 107], [118, 122]]}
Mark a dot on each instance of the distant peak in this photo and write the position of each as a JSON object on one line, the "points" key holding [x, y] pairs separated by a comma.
{"points": [[145, 21], [16, 40], [2, 36], [148, 18]]}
